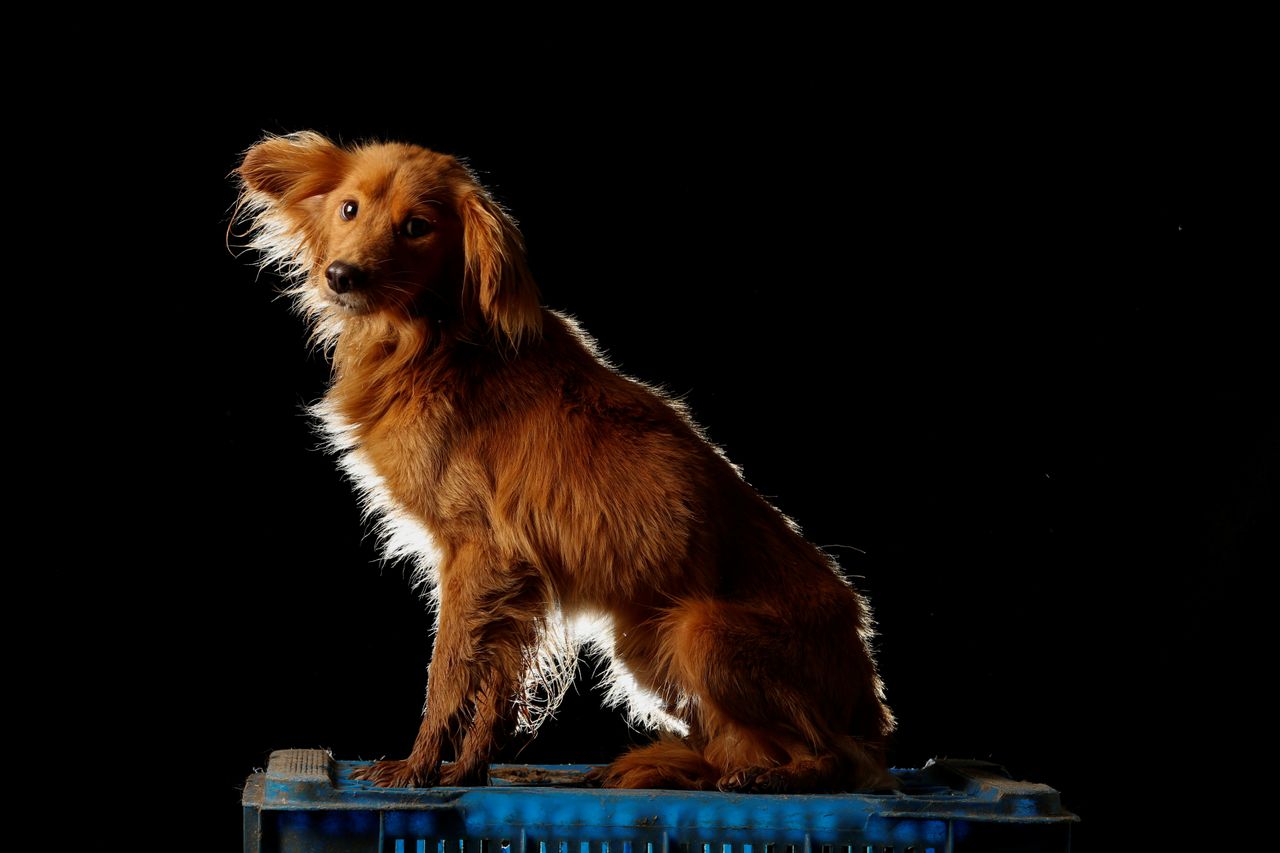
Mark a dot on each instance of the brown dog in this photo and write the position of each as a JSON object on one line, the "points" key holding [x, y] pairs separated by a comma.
{"points": [[552, 501]]}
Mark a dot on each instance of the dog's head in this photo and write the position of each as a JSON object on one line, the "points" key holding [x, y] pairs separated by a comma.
{"points": [[392, 230]]}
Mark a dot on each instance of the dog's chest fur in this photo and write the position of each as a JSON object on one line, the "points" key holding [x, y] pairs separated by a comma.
{"points": [[396, 446]]}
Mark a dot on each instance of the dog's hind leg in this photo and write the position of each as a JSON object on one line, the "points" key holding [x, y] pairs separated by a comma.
{"points": [[668, 763], [776, 715], [850, 766]]}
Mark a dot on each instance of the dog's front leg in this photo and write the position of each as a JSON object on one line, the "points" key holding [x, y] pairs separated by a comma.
{"points": [[507, 630], [487, 613], [490, 721]]}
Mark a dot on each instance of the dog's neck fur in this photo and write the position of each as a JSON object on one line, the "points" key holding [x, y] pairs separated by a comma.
{"points": [[379, 361]]}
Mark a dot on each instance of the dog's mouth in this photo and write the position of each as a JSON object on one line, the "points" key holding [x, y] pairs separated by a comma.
{"points": [[349, 303]]}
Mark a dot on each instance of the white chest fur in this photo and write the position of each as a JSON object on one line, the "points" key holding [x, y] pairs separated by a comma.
{"points": [[400, 535]]}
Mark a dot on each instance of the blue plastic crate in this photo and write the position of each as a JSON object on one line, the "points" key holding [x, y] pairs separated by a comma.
{"points": [[306, 801]]}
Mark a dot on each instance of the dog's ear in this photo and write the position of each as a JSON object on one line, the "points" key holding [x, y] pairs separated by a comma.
{"points": [[289, 169], [496, 269]]}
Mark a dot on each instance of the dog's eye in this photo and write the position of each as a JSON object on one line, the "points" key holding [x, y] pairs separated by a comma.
{"points": [[417, 227], [349, 210]]}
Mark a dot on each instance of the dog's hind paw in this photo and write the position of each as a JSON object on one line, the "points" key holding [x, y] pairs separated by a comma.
{"points": [[741, 781]]}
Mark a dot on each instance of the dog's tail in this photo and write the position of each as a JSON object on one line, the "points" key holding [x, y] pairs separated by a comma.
{"points": [[668, 763]]}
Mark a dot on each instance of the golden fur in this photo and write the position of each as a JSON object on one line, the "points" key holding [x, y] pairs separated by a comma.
{"points": [[542, 490]]}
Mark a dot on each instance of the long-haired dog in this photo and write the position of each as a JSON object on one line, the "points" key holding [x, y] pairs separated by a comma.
{"points": [[549, 500]]}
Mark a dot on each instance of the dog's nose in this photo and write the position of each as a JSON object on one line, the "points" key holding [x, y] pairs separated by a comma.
{"points": [[344, 276]]}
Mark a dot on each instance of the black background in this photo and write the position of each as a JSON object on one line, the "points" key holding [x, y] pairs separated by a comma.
{"points": [[1000, 343]]}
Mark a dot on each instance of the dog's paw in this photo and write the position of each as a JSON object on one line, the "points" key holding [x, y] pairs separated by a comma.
{"points": [[758, 780], [400, 773], [774, 781], [464, 776], [740, 781]]}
